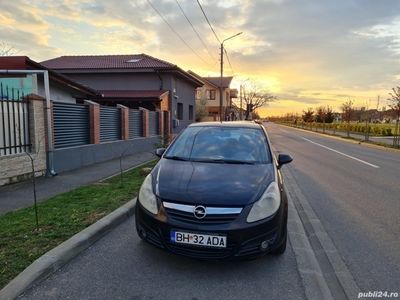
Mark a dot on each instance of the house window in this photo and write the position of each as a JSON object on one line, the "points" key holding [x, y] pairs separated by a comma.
{"points": [[190, 112], [180, 111], [210, 94]]}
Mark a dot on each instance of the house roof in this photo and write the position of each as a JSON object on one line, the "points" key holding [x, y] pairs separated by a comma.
{"points": [[116, 63], [214, 81], [134, 94], [132, 61], [25, 63], [226, 81]]}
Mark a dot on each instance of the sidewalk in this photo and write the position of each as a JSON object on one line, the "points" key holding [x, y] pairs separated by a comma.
{"points": [[19, 195]]}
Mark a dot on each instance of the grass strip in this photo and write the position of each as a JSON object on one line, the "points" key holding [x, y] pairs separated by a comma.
{"points": [[60, 217]]}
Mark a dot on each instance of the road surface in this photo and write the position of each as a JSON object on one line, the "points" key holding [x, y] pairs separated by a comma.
{"points": [[354, 191]]}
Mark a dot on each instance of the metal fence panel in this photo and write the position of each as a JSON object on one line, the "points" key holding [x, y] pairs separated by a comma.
{"points": [[153, 123], [71, 125], [14, 121], [110, 124], [14, 127], [135, 123]]}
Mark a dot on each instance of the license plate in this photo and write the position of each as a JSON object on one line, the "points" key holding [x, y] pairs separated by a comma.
{"points": [[198, 239]]}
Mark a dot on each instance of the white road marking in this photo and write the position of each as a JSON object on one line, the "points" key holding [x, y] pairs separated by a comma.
{"points": [[344, 154]]}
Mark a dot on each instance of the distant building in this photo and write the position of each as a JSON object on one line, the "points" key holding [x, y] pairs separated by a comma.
{"points": [[209, 94], [137, 80]]}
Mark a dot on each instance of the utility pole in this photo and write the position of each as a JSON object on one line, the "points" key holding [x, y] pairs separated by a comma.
{"points": [[221, 118], [241, 101], [220, 83]]}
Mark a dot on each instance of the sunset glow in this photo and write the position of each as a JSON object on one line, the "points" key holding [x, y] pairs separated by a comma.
{"points": [[306, 54]]}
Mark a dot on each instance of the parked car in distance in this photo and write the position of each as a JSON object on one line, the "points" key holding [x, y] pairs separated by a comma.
{"points": [[216, 193]]}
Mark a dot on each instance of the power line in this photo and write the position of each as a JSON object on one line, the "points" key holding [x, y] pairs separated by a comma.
{"points": [[194, 29], [229, 62], [205, 16], [174, 31]]}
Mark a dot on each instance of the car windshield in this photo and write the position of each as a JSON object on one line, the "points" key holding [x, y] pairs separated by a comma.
{"points": [[221, 144]]}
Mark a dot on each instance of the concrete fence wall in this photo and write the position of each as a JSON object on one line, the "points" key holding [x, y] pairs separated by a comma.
{"points": [[17, 167], [77, 157], [66, 159]]}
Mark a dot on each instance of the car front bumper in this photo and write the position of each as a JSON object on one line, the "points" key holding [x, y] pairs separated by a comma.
{"points": [[243, 240]]}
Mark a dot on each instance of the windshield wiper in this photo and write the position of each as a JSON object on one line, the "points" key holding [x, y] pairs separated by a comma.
{"points": [[174, 157]]}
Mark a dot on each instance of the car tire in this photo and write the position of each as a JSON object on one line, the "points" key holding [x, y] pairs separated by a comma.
{"points": [[282, 247]]}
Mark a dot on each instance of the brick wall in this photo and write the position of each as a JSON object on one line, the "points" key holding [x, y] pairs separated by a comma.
{"points": [[164, 102]]}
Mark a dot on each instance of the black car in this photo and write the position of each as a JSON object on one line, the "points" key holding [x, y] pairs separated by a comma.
{"points": [[216, 193]]}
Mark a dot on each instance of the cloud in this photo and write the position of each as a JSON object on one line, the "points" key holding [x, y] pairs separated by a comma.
{"points": [[305, 52], [25, 29]]}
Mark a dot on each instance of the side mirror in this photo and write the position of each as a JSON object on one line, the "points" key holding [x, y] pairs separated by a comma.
{"points": [[283, 159], [160, 151]]}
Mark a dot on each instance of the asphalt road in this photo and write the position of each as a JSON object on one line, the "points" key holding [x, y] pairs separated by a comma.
{"points": [[120, 266], [355, 192]]}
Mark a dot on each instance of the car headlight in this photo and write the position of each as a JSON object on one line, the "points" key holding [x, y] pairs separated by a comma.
{"points": [[267, 205], [146, 196]]}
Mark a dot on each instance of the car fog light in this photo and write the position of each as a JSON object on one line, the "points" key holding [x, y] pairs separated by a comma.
{"points": [[264, 245], [142, 232]]}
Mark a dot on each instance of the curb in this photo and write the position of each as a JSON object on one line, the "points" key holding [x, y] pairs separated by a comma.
{"points": [[63, 253], [128, 169], [315, 285]]}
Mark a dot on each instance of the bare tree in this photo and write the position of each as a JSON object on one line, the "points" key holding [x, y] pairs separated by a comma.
{"points": [[395, 105], [347, 112], [255, 98], [33, 157], [6, 49]]}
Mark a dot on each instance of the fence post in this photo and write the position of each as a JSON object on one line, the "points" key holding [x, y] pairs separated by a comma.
{"points": [[124, 121], [167, 123], [94, 121], [160, 122], [145, 120], [36, 123]]}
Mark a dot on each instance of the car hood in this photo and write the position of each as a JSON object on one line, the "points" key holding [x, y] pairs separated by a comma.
{"points": [[211, 183]]}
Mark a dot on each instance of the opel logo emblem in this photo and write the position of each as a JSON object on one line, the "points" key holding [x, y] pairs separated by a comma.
{"points": [[199, 212]]}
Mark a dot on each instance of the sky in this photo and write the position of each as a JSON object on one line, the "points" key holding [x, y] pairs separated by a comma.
{"points": [[307, 53]]}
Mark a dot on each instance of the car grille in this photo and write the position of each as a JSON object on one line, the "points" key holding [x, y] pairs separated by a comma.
{"points": [[184, 213], [209, 219]]}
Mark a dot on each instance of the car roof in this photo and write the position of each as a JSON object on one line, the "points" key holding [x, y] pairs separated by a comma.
{"points": [[234, 124]]}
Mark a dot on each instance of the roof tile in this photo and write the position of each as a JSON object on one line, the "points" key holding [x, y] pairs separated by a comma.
{"points": [[226, 81], [133, 61]]}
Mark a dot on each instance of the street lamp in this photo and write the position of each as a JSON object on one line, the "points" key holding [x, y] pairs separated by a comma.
{"points": [[222, 71]]}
